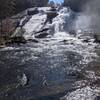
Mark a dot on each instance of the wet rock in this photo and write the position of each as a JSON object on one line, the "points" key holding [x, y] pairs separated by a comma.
{"points": [[19, 32], [44, 81], [23, 80], [51, 15], [97, 37], [33, 40], [86, 40], [17, 37], [43, 30], [32, 11], [41, 35], [17, 40], [65, 41], [24, 21], [52, 9]]}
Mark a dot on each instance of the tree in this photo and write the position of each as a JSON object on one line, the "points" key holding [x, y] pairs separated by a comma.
{"points": [[21, 5], [6, 10]]}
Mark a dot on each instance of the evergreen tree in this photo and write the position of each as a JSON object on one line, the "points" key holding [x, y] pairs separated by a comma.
{"points": [[6, 10]]}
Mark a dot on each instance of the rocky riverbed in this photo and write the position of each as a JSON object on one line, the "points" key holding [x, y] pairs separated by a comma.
{"points": [[56, 64]]}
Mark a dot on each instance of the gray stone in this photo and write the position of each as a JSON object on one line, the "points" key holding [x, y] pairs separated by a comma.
{"points": [[51, 15], [32, 11], [41, 35]]}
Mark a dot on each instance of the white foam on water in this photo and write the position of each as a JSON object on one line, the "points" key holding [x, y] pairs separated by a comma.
{"points": [[85, 93], [8, 49], [74, 44]]}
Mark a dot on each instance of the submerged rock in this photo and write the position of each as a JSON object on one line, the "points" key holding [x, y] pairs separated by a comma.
{"points": [[17, 37], [43, 30], [18, 32]]}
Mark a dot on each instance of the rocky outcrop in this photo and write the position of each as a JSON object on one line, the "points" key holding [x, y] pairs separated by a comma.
{"points": [[32, 11], [17, 40]]}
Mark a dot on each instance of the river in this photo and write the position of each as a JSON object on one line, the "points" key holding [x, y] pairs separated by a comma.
{"points": [[52, 67]]}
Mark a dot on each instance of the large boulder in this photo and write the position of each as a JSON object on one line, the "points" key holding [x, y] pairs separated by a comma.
{"points": [[42, 33], [30, 39], [2, 41], [19, 32], [17, 36], [22, 80], [24, 21]]}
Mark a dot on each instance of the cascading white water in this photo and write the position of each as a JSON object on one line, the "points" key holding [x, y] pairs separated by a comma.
{"points": [[61, 24], [62, 20], [34, 25]]}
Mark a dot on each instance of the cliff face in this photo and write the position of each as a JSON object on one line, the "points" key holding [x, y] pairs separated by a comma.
{"points": [[75, 5]]}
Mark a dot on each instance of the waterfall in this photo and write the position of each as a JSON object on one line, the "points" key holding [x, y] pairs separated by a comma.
{"points": [[62, 21]]}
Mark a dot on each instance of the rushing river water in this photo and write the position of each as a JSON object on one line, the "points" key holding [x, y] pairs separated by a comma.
{"points": [[51, 66]]}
